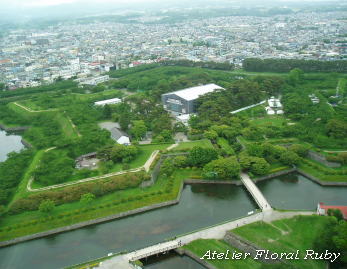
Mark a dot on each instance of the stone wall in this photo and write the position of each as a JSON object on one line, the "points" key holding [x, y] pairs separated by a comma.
{"points": [[321, 159], [323, 183], [193, 256], [13, 129], [205, 181], [91, 222], [246, 246], [277, 174]]}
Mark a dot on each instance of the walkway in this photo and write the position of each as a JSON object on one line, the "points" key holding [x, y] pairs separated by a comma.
{"points": [[215, 232], [145, 167], [34, 111], [255, 192]]}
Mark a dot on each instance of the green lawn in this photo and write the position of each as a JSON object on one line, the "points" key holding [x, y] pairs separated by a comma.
{"points": [[107, 94], [270, 121], [287, 235], [142, 157], [318, 174], [68, 130], [22, 224], [201, 246], [205, 143]]}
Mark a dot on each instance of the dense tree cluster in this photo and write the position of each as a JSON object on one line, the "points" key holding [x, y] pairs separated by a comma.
{"points": [[223, 168], [285, 65], [209, 65], [11, 173], [74, 193], [333, 238]]}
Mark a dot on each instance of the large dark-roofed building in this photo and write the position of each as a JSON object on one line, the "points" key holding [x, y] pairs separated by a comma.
{"points": [[184, 101]]}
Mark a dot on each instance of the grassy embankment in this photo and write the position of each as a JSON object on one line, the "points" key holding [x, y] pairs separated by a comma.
{"points": [[117, 202], [286, 235], [201, 246]]}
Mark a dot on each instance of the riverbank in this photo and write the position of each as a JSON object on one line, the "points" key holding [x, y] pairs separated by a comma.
{"points": [[91, 222], [13, 129]]}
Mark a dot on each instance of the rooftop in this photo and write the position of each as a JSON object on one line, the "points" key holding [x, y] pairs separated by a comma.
{"points": [[194, 92]]}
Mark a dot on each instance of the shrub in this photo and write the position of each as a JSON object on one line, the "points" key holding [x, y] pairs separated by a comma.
{"points": [[46, 206]]}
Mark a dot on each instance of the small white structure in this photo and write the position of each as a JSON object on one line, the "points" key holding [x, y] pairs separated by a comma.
{"points": [[123, 140], [274, 102], [314, 98], [108, 102], [96, 80], [184, 118], [270, 111], [120, 137], [275, 106]]}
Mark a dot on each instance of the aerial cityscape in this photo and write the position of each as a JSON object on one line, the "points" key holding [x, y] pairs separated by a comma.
{"points": [[167, 134]]}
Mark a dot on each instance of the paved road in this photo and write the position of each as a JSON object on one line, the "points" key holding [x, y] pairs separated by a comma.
{"points": [[215, 232], [255, 192]]}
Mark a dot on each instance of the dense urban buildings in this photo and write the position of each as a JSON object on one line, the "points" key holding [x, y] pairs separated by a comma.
{"points": [[83, 51]]}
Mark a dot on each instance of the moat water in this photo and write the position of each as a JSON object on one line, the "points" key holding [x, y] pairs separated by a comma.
{"points": [[9, 143], [200, 206]]}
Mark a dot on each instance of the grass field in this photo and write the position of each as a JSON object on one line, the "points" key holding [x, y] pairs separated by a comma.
{"points": [[224, 145], [201, 246], [142, 157], [22, 224], [287, 235], [270, 121], [204, 143], [318, 174], [66, 126]]}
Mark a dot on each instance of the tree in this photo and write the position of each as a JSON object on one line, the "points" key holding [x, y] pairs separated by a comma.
{"points": [[255, 150], [124, 121], [180, 161], [107, 112], [299, 149], [212, 135], [167, 167], [138, 129], [226, 168], [259, 166], [337, 128], [199, 156], [46, 206], [295, 76], [336, 213], [87, 198], [289, 157]]}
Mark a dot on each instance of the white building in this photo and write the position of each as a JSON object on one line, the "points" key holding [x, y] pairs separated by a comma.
{"points": [[96, 80], [112, 101], [184, 101], [184, 118]]}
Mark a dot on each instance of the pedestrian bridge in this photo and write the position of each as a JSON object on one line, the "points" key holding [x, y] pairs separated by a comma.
{"points": [[153, 250], [255, 192]]}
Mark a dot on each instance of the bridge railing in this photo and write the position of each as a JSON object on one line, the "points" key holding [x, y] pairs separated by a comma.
{"points": [[144, 255]]}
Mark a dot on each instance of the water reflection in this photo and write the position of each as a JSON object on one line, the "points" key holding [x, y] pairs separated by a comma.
{"points": [[170, 260]]}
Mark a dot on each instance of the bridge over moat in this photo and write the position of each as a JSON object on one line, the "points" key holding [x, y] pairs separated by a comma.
{"points": [[214, 232]]}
